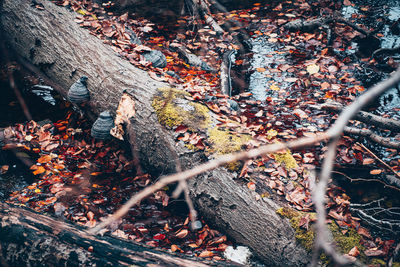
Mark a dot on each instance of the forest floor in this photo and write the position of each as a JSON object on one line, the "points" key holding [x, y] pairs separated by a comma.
{"points": [[283, 77]]}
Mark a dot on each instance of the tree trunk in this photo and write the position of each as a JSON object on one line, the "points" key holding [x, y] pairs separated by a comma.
{"points": [[51, 40], [31, 239]]}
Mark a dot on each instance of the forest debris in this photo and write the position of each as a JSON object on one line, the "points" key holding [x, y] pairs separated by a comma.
{"points": [[125, 111]]}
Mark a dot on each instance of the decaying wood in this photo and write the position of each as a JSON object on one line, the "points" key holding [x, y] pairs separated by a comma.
{"points": [[225, 73], [311, 25], [191, 58], [385, 51], [51, 40], [31, 239], [383, 141], [366, 117]]}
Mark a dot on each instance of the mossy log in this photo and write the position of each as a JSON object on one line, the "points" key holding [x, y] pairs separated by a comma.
{"points": [[51, 40]]}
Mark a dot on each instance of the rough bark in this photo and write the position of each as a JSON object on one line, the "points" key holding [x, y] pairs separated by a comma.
{"points": [[31, 239], [51, 40]]}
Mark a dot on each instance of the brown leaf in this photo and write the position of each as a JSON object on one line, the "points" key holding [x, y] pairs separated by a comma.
{"points": [[44, 159], [347, 3], [182, 234], [367, 161], [374, 252], [354, 252]]}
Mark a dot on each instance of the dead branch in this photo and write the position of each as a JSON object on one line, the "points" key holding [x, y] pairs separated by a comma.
{"points": [[201, 7], [383, 141], [363, 116], [385, 51], [225, 75], [395, 255], [381, 161], [322, 240], [191, 58], [311, 25], [381, 181], [379, 216], [210, 165]]}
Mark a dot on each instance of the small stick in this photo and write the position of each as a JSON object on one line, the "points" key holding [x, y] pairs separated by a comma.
{"points": [[378, 159]]}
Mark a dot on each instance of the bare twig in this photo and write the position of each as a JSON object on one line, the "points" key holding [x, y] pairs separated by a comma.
{"points": [[378, 159], [367, 180], [395, 254]]}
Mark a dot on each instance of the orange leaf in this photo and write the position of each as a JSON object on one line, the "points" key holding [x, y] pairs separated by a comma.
{"points": [[251, 185], [44, 159], [182, 234], [260, 69], [39, 170], [375, 172], [206, 254]]}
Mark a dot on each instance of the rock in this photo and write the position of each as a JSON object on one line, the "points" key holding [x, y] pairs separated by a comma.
{"points": [[78, 92], [233, 105], [133, 36], [157, 58]]}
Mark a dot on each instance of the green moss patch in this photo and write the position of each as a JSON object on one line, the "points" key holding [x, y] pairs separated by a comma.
{"points": [[304, 236], [286, 159], [173, 109], [344, 241]]}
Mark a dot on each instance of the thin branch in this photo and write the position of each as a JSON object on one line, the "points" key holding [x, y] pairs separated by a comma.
{"points": [[378, 159]]}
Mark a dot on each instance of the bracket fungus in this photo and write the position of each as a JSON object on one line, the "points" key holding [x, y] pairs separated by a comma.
{"points": [[78, 92], [102, 126]]}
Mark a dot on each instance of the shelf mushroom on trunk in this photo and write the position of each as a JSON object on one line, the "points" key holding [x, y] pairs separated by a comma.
{"points": [[78, 94], [102, 126]]}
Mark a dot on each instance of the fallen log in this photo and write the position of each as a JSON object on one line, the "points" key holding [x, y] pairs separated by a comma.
{"points": [[51, 40], [31, 239]]}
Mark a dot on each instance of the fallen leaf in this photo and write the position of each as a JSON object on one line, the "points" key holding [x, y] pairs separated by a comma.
{"points": [[44, 159], [375, 172], [354, 252], [312, 69], [260, 69], [206, 253], [182, 234], [367, 161]]}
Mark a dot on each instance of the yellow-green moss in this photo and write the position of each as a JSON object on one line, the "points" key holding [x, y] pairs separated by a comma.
{"points": [[173, 110], [286, 158], [304, 236], [379, 262], [224, 142], [346, 241], [170, 113]]}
